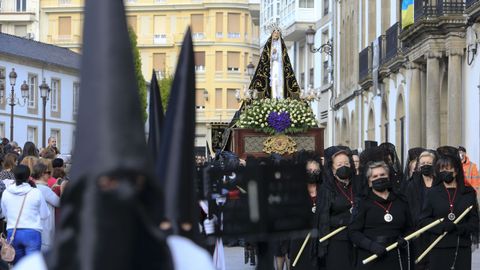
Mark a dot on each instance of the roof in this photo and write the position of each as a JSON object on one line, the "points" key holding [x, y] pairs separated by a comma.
{"points": [[39, 51]]}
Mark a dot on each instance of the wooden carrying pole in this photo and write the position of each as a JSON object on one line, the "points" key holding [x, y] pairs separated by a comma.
{"points": [[408, 237], [323, 239], [440, 237], [301, 250]]}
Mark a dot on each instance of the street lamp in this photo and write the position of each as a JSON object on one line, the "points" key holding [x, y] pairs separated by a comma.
{"points": [[44, 92], [13, 100], [250, 70], [326, 48]]}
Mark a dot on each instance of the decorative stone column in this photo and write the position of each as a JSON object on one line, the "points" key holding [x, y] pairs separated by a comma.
{"points": [[432, 105], [454, 99], [415, 107]]}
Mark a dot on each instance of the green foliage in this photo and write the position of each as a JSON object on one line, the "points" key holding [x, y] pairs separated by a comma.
{"points": [[142, 86], [256, 114], [165, 85]]}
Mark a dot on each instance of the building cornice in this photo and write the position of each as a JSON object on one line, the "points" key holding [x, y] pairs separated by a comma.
{"points": [[39, 64], [38, 118]]}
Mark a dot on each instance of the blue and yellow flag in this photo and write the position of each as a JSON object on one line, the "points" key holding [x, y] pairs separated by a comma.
{"points": [[407, 13]]}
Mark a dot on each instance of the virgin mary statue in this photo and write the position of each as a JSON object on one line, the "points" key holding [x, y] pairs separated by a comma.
{"points": [[274, 77]]}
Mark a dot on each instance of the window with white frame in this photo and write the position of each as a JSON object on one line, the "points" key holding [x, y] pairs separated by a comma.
{"points": [[76, 95], [306, 3], [32, 134], [21, 5], [32, 90], [54, 95]]}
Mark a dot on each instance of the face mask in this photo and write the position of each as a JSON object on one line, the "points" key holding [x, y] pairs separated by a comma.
{"points": [[344, 172], [427, 170], [446, 177], [381, 184], [313, 177]]}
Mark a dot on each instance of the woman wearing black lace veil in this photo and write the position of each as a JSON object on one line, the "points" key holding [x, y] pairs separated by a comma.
{"points": [[447, 199], [340, 191]]}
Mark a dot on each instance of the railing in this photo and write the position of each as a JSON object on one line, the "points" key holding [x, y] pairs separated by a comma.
{"points": [[15, 10], [429, 8], [364, 63], [391, 40], [470, 3]]}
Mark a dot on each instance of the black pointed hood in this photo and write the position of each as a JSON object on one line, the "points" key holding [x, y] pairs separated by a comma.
{"points": [[155, 118], [176, 164], [106, 207]]}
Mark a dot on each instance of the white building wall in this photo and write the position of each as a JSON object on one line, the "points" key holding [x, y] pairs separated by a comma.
{"points": [[471, 109], [22, 119]]}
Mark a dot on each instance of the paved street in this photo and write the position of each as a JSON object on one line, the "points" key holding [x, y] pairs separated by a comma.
{"points": [[234, 258]]}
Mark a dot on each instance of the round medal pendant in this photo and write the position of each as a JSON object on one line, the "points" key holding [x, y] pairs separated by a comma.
{"points": [[451, 216], [388, 217], [314, 208]]}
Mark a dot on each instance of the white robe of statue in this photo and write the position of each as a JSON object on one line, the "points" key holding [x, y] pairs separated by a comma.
{"points": [[276, 69]]}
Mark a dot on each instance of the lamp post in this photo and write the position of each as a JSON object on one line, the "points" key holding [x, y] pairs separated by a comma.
{"points": [[44, 92], [250, 70], [13, 100], [326, 48]]}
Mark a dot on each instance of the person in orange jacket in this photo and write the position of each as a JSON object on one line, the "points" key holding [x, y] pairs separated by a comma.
{"points": [[470, 170]]}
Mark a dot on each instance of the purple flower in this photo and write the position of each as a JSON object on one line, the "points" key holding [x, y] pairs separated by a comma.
{"points": [[279, 121]]}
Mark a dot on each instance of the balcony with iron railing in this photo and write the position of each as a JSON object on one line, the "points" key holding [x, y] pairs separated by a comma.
{"points": [[472, 9], [433, 18], [365, 65], [470, 3], [435, 8]]}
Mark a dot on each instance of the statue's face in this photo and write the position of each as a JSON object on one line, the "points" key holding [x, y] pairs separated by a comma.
{"points": [[275, 34]]}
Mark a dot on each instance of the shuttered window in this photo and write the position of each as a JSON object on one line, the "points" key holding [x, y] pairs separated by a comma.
{"points": [[233, 25], [219, 22], [159, 61], [232, 102], [199, 99], [197, 23], [218, 61], [218, 98], [200, 61], [233, 61], [64, 26], [132, 22]]}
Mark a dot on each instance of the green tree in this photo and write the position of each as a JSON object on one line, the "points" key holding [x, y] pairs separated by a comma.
{"points": [[165, 85], [142, 86]]}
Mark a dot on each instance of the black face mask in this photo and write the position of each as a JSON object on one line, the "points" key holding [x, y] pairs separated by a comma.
{"points": [[427, 170], [313, 178], [381, 184], [344, 173], [446, 177]]}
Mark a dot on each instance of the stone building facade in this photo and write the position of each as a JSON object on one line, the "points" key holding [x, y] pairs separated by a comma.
{"points": [[418, 86]]}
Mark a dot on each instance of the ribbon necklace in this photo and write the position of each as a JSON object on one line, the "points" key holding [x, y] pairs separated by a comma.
{"points": [[387, 217], [349, 198], [451, 215]]}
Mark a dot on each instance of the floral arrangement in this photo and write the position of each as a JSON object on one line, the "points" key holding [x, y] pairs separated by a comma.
{"points": [[272, 116]]}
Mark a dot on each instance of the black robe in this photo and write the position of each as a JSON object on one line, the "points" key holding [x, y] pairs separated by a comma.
{"points": [[369, 226], [333, 211], [436, 206]]}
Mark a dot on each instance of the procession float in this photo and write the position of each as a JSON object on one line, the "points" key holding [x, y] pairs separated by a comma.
{"points": [[275, 115]]}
